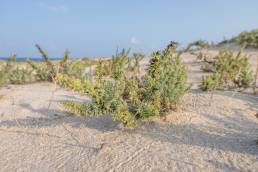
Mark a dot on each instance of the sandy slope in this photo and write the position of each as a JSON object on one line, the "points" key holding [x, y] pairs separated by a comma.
{"points": [[217, 134]]}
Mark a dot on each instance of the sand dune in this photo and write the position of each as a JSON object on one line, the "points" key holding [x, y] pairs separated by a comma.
{"points": [[37, 134]]}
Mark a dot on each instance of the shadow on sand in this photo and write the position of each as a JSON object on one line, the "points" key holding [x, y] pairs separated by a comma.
{"points": [[239, 133]]}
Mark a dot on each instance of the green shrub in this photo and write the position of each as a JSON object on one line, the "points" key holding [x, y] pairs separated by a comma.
{"points": [[20, 76], [79, 85], [103, 68], [74, 68], [231, 71], [199, 44], [3, 78], [52, 69], [247, 38], [40, 71], [13, 73], [132, 99], [134, 63], [211, 82]]}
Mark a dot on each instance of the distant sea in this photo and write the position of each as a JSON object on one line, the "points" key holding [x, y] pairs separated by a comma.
{"points": [[23, 59]]}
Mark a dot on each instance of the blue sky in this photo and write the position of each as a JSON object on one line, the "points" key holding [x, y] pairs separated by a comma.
{"points": [[98, 27]]}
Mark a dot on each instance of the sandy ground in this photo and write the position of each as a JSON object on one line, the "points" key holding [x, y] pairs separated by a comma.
{"points": [[209, 133]]}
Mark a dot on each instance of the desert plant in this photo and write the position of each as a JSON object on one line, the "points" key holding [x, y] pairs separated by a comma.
{"points": [[13, 73], [247, 38], [134, 63], [79, 85], [63, 64], [231, 71], [74, 68], [132, 99], [21, 76], [211, 82], [3, 78], [55, 68], [10, 64], [199, 44], [167, 73], [41, 72], [103, 68], [50, 65]]}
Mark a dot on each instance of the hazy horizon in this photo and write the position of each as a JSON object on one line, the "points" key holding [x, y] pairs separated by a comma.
{"points": [[98, 28]]}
